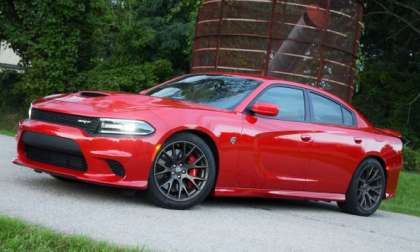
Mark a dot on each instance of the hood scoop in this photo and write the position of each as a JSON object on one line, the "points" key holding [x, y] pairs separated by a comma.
{"points": [[92, 94]]}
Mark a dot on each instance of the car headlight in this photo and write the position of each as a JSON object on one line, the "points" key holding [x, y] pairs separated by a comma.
{"points": [[125, 127]]}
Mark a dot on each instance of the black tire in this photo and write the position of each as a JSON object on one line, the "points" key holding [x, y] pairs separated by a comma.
{"points": [[366, 190], [176, 182]]}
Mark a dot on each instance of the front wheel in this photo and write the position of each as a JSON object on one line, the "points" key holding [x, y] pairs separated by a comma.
{"points": [[366, 190], [183, 173]]}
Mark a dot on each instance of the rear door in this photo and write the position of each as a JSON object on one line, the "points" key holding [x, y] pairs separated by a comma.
{"points": [[336, 146]]}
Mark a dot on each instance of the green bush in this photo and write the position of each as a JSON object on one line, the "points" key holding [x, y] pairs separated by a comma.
{"points": [[54, 40], [12, 102], [131, 78], [10, 96], [411, 160], [16, 92]]}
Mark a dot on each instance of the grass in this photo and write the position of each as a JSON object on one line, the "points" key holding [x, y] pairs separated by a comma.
{"points": [[8, 132], [18, 236], [407, 200]]}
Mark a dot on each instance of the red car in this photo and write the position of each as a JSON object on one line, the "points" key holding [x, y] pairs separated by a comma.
{"points": [[216, 133]]}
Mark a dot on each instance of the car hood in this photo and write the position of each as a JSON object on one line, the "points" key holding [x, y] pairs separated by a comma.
{"points": [[111, 104]]}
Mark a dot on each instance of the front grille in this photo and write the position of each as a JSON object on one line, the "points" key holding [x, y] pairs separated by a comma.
{"points": [[53, 150], [56, 158], [89, 124]]}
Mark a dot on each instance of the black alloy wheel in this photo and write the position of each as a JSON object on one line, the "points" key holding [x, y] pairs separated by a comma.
{"points": [[367, 189], [183, 172], [370, 188]]}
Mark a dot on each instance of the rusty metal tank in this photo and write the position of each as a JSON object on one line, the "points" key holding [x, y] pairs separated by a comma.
{"points": [[309, 41]]}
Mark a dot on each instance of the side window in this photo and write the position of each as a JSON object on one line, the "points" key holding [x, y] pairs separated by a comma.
{"points": [[347, 117], [291, 102], [325, 110]]}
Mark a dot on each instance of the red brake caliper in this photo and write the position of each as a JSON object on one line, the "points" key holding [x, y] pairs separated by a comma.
{"points": [[192, 172]]}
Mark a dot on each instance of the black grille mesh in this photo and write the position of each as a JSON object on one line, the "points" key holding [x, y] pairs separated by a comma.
{"points": [[53, 150], [89, 124], [57, 158]]}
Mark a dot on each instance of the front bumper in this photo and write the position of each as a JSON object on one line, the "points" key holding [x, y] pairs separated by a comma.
{"points": [[89, 158]]}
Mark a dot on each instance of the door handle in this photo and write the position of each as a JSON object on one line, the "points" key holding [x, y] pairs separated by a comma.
{"points": [[358, 140], [306, 138]]}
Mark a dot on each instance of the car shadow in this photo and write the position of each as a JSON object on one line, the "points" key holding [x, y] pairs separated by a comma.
{"points": [[271, 204], [78, 189], [93, 192]]}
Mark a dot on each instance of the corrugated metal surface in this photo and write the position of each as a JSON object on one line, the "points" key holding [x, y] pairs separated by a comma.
{"points": [[309, 41]]}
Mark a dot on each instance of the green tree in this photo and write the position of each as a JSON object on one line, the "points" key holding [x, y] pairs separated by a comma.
{"points": [[141, 43], [144, 31], [390, 80], [52, 37], [126, 45]]}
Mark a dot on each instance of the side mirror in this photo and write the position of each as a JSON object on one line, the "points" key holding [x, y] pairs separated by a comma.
{"points": [[265, 109]]}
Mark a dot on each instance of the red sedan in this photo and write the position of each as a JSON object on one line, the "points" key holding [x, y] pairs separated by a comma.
{"points": [[220, 134]]}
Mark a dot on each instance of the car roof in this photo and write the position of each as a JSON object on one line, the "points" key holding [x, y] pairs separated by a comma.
{"points": [[272, 80], [269, 80]]}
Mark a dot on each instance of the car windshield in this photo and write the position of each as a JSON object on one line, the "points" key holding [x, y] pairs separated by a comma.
{"points": [[219, 91]]}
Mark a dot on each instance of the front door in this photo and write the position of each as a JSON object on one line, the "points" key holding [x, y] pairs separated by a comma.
{"points": [[275, 146]]}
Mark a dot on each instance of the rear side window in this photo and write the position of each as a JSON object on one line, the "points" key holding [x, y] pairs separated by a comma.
{"points": [[291, 102], [325, 110], [348, 119]]}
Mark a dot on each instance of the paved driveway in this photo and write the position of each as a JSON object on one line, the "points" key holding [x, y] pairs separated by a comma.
{"points": [[123, 217]]}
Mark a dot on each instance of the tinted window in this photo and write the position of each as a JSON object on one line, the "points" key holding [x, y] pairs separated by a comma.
{"points": [[325, 110], [214, 90], [291, 102], [348, 117]]}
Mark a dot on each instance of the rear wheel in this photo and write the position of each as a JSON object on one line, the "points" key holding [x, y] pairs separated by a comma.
{"points": [[366, 190], [183, 173]]}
